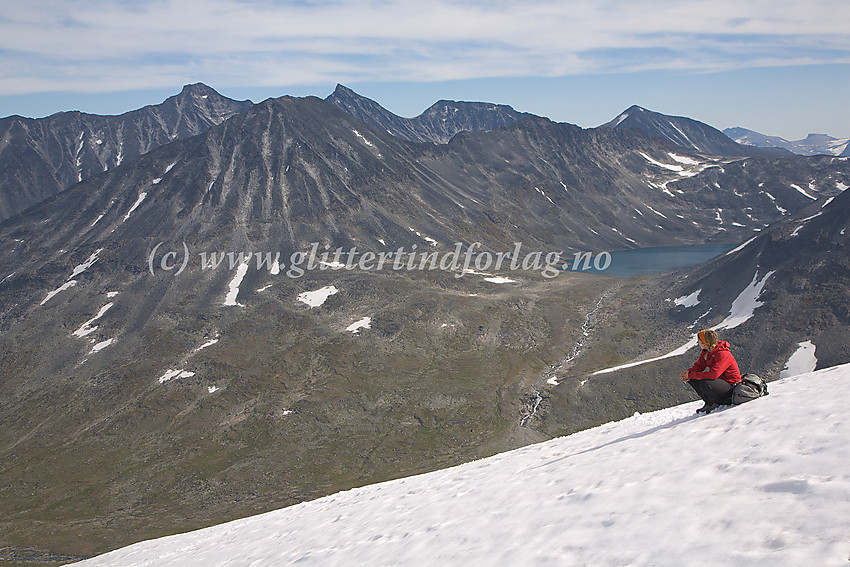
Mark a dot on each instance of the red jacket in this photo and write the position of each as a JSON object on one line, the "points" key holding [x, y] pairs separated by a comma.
{"points": [[718, 364]]}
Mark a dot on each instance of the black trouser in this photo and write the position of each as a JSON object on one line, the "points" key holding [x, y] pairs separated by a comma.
{"points": [[713, 391]]}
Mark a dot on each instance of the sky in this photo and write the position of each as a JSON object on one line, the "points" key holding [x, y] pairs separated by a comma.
{"points": [[763, 483], [776, 66]]}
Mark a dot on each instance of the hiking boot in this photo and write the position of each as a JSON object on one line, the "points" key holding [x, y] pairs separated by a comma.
{"points": [[707, 408]]}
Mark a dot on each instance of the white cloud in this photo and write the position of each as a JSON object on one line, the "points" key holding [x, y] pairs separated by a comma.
{"points": [[86, 45]]}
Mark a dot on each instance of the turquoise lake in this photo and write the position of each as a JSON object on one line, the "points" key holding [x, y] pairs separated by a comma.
{"points": [[627, 263]]}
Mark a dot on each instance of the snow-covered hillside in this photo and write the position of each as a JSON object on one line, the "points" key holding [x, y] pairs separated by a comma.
{"points": [[766, 483]]}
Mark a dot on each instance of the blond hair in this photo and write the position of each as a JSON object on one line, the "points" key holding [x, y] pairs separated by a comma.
{"points": [[708, 338]]}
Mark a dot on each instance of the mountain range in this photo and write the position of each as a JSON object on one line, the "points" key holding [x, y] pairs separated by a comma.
{"points": [[41, 157], [170, 361], [813, 144]]}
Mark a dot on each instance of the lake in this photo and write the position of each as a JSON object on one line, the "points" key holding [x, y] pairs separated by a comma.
{"points": [[627, 263]]}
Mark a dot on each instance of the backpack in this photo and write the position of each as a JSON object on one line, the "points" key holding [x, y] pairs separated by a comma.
{"points": [[749, 388]]}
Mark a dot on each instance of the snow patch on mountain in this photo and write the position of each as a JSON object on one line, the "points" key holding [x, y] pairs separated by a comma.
{"points": [[175, 374], [233, 292], [97, 220], [802, 361], [545, 195], [207, 344], [86, 265], [656, 212], [317, 297], [364, 323], [63, 287], [744, 306], [685, 136], [688, 300], [365, 141], [86, 328], [427, 239], [677, 168], [499, 280], [135, 205], [684, 159], [778, 208], [101, 345], [803, 191]]}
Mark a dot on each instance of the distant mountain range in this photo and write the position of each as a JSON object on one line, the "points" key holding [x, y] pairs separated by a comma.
{"points": [[813, 144], [164, 368], [41, 157]]}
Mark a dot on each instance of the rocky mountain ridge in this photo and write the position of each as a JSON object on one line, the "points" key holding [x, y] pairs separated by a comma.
{"points": [[41, 157], [437, 124], [686, 132]]}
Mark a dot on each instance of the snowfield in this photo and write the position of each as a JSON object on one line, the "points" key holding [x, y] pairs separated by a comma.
{"points": [[765, 483]]}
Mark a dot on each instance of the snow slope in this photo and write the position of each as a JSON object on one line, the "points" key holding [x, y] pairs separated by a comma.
{"points": [[765, 483]]}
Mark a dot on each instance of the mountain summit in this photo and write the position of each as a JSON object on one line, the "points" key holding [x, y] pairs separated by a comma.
{"points": [[685, 132], [438, 124]]}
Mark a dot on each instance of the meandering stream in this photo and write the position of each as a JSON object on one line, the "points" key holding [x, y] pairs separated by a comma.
{"points": [[549, 375]]}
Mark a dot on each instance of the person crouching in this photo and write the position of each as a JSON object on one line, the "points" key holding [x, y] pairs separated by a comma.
{"points": [[714, 374]]}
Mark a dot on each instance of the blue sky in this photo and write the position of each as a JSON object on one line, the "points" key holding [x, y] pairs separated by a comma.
{"points": [[779, 67]]}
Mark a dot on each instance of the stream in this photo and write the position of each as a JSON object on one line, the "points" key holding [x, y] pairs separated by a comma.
{"points": [[549, 375]]}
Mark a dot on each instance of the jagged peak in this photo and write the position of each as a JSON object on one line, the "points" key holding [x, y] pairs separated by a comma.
{"points": [[343, 92], [340, 88]]}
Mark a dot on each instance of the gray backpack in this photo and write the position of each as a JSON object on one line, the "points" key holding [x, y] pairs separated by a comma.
{"points": [[749, 388]]}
